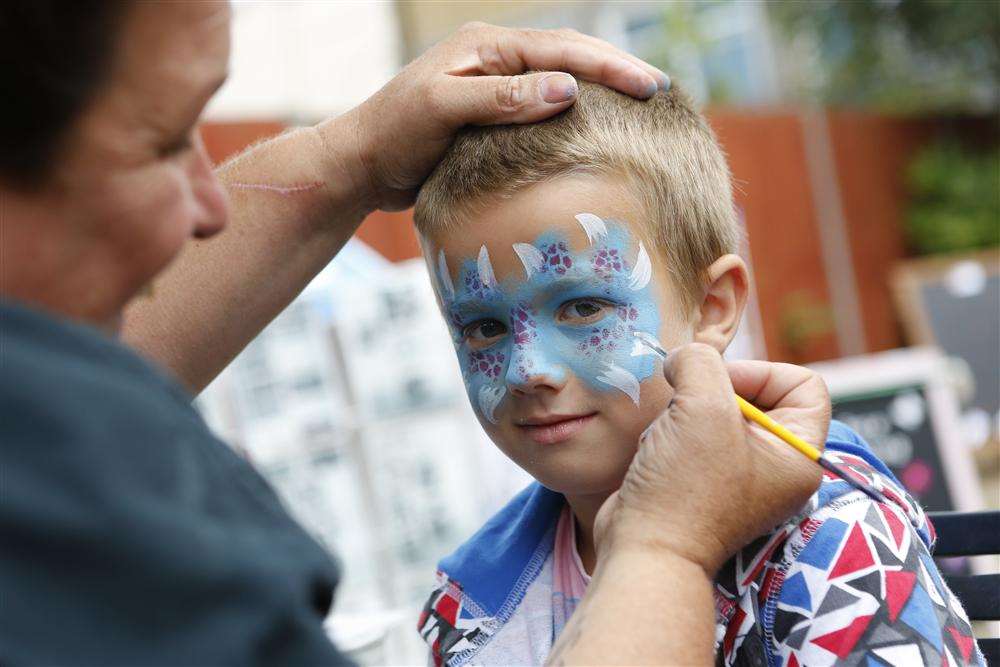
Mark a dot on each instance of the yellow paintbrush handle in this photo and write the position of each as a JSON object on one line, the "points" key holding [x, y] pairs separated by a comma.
{"points": [[755, 415]]}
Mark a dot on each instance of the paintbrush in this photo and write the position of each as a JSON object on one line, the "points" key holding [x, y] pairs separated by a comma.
{"points": [[755, 415]]}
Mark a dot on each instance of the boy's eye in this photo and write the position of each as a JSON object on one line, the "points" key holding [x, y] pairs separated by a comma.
{"points": [[484, 333], [583, 311]]}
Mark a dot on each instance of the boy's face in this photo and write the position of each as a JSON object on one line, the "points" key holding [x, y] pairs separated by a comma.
{"points": [[542, 292]]}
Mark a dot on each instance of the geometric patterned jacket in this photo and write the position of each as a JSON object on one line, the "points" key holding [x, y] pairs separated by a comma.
{"points": [[846, 581]]}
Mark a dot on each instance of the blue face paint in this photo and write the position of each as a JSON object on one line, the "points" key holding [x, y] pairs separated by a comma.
{"points": [[530, 328]]}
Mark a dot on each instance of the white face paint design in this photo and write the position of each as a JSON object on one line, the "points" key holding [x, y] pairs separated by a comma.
{"points": [[445, 277], [534, 339], [486, 275], [592, 225], [640, 349], [531, 257], [622, 379], [489, 398], [643, 270]]}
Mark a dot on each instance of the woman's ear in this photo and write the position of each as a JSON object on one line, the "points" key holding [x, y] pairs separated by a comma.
{"points": [[722, 306]]}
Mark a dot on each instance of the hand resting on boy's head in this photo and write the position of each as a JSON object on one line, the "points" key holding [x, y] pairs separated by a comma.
{"points": [[704, 481], [477, 77]]}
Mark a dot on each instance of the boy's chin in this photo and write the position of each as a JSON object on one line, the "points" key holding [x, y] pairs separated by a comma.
{"points": [[582, 482]]}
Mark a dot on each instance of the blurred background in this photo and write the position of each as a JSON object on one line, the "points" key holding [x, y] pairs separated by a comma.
{"points": [[863, 139]]}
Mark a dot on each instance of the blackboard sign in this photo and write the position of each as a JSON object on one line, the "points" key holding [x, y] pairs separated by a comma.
{"points": [[896, 423], [953, 303], [903, 404]]}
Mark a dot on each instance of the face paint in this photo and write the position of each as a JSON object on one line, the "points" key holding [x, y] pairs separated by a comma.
{"points": [[592, 225], [531, 257], [619, 378], [543, 326], [489, 399], [643, 270], [639, 348], [444, 276], [485, 269]]}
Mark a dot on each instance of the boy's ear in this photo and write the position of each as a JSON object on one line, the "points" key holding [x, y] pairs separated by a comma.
{"points": [[722, 306]]}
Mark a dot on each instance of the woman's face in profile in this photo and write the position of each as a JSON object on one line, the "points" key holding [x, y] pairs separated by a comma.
{"points": [[133, 177]]}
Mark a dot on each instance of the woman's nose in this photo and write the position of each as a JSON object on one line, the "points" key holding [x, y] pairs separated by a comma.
{"points": [[212, 204]]}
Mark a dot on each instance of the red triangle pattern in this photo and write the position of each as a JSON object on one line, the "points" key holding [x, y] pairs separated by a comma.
{"points": [[898, 586], [734, 627], [842, 641], [792, 661], [854, 556], [964, 643], [895, 525]]}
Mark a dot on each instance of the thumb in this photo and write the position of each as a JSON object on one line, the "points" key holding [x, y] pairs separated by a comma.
{"points": [[503, 100], [698, 376]]}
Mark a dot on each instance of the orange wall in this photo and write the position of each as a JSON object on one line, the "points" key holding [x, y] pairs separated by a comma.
{"points": [[872, 153], [771, 185]]}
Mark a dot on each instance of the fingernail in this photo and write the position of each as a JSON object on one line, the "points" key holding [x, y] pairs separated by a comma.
{"points": [[663, 80], [557, 88]]}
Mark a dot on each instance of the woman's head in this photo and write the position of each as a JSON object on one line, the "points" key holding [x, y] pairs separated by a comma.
{"points": [[104, 178]]}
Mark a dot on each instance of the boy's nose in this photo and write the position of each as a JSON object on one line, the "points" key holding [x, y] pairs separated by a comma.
{"points": [[531, 370]]}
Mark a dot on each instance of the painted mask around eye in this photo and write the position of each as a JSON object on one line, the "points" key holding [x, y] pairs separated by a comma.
{"points": [[568, 312]]}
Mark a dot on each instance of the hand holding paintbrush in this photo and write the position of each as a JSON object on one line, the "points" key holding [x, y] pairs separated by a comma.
{"points": [[757, 416]]}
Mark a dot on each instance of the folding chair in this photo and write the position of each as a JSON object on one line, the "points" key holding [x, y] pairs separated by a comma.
{"points": [[973, 534]]}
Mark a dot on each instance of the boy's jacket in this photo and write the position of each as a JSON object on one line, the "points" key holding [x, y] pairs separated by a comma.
{"points": [[845, 581]]}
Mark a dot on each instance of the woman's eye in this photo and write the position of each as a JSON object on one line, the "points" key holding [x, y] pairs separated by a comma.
{"points": [[178, 146], [583, 311], [484, 332]]}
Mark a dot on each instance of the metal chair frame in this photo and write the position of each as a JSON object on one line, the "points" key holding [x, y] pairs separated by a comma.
{"points": [[973, 534]]}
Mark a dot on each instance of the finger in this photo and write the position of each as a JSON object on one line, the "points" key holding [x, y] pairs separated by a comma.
{"points": [[662, 78], [697, 373], [772, 385], [499, 100], [514, 51], [797, 397]]}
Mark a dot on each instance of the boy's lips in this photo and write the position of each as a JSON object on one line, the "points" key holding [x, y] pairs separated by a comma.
{"points": [[550, 429]]}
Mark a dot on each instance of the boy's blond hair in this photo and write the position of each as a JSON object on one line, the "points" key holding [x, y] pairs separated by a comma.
{"points": [[662, 146]]}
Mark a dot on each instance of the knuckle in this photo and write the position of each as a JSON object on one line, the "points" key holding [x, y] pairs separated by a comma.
{"points": [[473, 26], [433, 99], [703, 351], [490, 55], [510, 93]]}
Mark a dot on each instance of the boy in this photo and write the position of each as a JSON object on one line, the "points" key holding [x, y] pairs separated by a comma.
{"points": [[549, 246]]}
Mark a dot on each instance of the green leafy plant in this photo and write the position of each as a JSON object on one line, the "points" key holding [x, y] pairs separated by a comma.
{"points": [[911, 56], [955, 199], [803, 318]]}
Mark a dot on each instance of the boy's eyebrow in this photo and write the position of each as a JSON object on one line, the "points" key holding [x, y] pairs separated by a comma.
{"points": [[471, 305], [468, 305]]}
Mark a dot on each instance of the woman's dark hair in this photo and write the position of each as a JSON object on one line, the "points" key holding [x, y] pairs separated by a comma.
{"points": [[54, 58]]}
